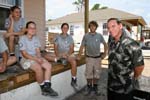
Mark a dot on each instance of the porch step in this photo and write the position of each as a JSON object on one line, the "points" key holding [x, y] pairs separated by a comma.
{"points": [[15, 77], [60, 83]]}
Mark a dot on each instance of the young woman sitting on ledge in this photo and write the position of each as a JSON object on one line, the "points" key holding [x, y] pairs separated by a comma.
{"points": [[31, 59]]}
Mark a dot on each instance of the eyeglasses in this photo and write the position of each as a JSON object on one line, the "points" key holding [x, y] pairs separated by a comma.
{"points": [[32, 28]]}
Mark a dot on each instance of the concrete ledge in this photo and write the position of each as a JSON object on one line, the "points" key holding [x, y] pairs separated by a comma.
{"points": [[60, 82], [16, 77]]}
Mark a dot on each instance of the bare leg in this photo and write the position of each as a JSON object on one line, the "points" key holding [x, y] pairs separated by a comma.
{"points": [[95, 81], [89, 81], [11, 60], [47, 67], [50, 57], [73, 63], [11, 44], [38, 72]]}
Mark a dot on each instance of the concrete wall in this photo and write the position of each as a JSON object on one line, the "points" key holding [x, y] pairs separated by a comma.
{"points": [[34, 10], [60, 82]]}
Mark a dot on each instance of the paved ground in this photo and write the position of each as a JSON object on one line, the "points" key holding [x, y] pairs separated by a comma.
{"points": [[144, 84]]}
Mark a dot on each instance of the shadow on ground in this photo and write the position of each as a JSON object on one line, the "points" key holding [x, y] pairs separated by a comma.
{"points": [[102, 87], [144, 83]]}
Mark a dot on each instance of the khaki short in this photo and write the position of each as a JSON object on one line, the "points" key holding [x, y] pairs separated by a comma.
{"points": [[26, 63], [93, 68]]}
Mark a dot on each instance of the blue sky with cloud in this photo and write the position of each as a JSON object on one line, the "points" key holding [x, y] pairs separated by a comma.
{"points": [[58, 8]]}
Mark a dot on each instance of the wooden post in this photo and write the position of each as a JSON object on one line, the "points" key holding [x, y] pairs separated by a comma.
{"points": [[86, 15]]}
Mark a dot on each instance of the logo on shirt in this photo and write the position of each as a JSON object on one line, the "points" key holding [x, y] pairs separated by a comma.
{"points": [[35, 44], [20, 45], [7, 23], [20, 26]]}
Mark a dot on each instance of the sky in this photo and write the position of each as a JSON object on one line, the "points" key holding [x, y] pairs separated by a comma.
{"points": [[59, 8]]}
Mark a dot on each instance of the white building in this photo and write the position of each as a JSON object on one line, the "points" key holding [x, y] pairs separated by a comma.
{"points": [[76, 22]]}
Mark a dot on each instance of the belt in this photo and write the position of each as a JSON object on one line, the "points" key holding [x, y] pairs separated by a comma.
{"points": [[93, 56]]}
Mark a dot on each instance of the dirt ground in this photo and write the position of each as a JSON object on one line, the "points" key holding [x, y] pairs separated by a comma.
{"points": [[146, 71], [144, 84]]}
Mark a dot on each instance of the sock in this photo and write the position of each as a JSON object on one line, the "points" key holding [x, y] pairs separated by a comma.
{"points": [[47, 81], [41, 83], [89, 84], [74, 77], [55, 59], [12, 54]]}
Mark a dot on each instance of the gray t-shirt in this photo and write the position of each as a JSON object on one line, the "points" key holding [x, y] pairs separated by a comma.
{"points": [[29, 45], [18, 25], [92, 44], [63, 43], [3, 46]]}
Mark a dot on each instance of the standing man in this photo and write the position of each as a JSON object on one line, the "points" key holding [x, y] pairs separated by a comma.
{"points": [[125, 57], [15, 26], [4, 60], [91, 42]]}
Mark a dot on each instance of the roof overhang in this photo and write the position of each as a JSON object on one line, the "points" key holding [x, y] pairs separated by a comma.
{"points": [[136, 21]]}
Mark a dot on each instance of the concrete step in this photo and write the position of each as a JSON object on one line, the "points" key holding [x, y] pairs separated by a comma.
{"points": [[60, 83]]}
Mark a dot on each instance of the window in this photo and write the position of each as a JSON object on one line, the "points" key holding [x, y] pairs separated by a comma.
{"points": [[105, 31], [9, 3], [4, 13], [4, 10], [71, 30]]}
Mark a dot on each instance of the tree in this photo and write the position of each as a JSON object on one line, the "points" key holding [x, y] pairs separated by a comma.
{"points": [[98, 6], [49, 19], [79, 4]]}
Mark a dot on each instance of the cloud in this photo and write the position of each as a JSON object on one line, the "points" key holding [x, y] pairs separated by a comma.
{"points": [[138, 11], [148, 15], [58, 8], [148, 18]]}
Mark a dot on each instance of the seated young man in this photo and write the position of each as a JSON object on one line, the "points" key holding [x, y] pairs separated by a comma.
{"points": [[4, 59], [15, 26]]}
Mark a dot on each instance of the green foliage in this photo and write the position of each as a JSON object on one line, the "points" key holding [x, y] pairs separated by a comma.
{"points": [[79, 4], [98, 6], [49, 19]]}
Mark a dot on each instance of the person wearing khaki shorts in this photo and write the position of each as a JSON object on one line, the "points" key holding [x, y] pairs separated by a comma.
{"points": [[64, 52], [91, 42], [31, 59], [93, 72]]}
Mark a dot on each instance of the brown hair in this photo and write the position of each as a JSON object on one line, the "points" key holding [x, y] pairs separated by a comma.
{"points": [[28, 23], [14, 7], [93, 23], [63, 24]]}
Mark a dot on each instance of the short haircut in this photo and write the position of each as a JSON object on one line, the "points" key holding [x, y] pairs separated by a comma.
{"points": [[93, 23], [63, 24], [27, 25], [30, 22], [14, 7], [116, 19]]}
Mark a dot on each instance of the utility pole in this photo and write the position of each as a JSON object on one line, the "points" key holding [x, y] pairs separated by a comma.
{"points": [[86, 15]]}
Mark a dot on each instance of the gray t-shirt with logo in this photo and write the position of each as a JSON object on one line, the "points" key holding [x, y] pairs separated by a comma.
{"points": [[29, 45], [3, 46], [18, 25], [92, 43], [63, 43]]}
